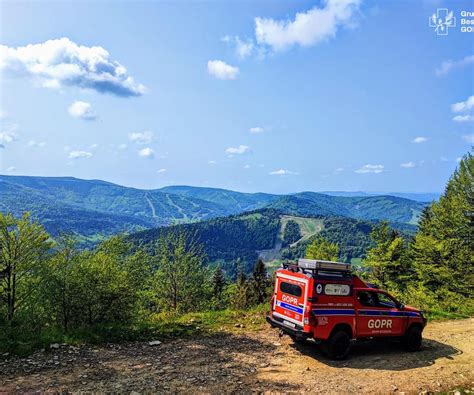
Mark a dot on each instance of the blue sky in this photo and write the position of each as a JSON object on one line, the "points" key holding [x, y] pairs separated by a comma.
{"points": [[273, 96]]}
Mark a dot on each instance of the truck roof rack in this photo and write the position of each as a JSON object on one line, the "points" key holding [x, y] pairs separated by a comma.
{"points": [[320, 268], [316, 264]]}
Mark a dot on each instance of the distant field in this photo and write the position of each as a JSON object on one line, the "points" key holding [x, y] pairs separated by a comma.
{"points": [[308, 226], [415, 217]]}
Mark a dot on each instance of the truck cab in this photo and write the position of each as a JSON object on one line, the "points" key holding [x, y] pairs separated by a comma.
{"points": [[323, 300]]}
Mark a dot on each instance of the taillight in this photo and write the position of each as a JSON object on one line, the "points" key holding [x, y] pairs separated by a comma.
{"points": [[308, 318]]}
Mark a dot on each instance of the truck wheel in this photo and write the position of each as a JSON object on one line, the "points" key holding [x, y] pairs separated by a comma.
{"points": [[338, 345], [412, 339]]}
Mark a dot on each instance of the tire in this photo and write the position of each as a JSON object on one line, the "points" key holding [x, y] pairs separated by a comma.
{"points": [[339, 345], [413, 339]]}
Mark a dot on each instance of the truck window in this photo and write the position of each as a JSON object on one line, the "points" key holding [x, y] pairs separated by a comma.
{"points": [[366, 298], [383, 300], [291, 289], [337, 289], [375, 299]]}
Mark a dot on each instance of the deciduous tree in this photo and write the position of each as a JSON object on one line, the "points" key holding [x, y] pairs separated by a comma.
{"points": [[24, 250], [322, 249]]}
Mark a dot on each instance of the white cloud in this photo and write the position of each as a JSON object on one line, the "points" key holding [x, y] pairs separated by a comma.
{"points": [[222, 70], [82, 110], [339, 169], [463, 118], [9, 135], [76, 154], [408, 165], [308, 28], [212, 162], [371, 169], [3, 114], [61, 62], [11, 169], [256, 129], [282, 172], [468, 138], [243, 48], [419, 140], [463, 106], [449, 65], [145, 137], [146, 153], [241, 149], [247, 167], [161, 171], [93, 146], [35, 144], [122, 146]]}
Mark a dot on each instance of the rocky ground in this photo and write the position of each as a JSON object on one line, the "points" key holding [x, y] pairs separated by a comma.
{"points": [[248, 361]]}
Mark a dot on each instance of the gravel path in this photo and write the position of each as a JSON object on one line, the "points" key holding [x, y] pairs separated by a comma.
{"points": [[244, 361]]}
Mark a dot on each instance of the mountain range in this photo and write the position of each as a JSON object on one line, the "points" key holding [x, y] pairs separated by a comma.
{"points": [[93, 209]]}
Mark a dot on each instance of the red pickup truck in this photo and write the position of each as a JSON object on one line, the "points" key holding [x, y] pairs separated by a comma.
{"points": [[324, 301]]}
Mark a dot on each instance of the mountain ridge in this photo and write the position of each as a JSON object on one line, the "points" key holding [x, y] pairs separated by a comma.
{"points": [[69, 204]]}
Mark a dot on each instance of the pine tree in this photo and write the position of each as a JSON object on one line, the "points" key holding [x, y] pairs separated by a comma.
{"points": [[241, 297], [443, 247], [260, 282], [387, 259], [292, 232], [218, 283]]}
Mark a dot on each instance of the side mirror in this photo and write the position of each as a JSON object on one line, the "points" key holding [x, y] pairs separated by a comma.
{"points": [[401, 306]]}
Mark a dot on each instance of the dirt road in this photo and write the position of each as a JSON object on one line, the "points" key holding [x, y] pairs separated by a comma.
{"points": [[244, 361]]}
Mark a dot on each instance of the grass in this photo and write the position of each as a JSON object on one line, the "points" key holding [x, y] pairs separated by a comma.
{"points": [[308, 226], [23, 341], [356, 261], [439, 315]]}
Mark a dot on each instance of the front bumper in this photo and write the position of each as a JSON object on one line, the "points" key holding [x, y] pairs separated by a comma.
{"points": [[294, 332]]}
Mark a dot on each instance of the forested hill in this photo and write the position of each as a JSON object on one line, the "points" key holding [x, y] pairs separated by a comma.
{"points": [[381, 207], [248, 235], [93, 209], [225, 239], [390, 208], [237, 201]]}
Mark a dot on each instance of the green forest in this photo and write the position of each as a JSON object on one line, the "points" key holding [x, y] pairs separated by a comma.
{"points": [[130, 287], [93, 210]]}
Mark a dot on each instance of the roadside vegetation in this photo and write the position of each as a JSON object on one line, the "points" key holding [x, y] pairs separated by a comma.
{"points": [[54, 292]]}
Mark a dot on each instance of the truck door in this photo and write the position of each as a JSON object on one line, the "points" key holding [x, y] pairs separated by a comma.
{"points": [[290, 299], [377, 314]]}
